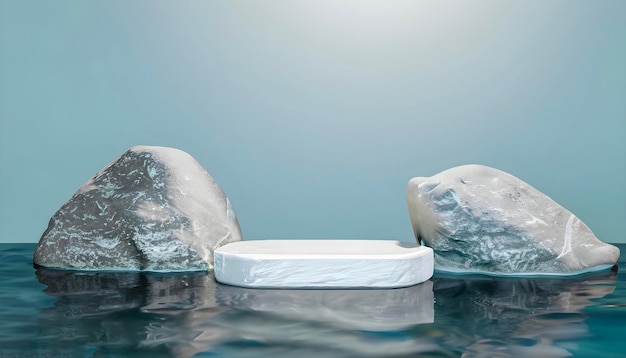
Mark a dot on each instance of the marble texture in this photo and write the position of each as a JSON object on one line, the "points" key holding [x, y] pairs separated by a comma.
{"points": [[480, 219], [323, 264], [152, 209]]}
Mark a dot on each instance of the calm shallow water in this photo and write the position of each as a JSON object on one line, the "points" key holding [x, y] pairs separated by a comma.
{"points": [[48, 313]]}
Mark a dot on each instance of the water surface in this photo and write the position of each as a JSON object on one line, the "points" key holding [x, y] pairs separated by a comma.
{"points": [[52, 313]]}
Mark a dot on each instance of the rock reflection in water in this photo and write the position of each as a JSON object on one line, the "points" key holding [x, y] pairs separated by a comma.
{"points": [[485, 316], [117, 313], [181, 315]]}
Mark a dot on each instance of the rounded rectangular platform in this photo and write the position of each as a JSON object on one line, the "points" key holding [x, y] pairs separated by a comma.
{"points": [[323, 264]]}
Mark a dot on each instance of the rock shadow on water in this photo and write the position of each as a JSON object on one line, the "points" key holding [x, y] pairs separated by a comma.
{"points": [[181, 315], [485, 316]]}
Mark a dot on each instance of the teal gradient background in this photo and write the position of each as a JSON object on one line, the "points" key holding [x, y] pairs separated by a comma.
{"points": [[313, 115]]}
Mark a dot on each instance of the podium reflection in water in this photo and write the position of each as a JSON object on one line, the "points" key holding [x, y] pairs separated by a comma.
{"points": [[188, 313], [182, 314]]}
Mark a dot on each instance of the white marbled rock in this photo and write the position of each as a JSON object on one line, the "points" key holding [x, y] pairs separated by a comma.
{"points": [[152, 209], [323, 264], [480, 219]]}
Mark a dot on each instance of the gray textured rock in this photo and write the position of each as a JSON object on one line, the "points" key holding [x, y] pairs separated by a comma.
{"points": [[152, 209], [480, 219]]}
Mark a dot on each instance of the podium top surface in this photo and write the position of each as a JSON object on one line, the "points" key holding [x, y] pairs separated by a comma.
{"points": [[320, 248]]}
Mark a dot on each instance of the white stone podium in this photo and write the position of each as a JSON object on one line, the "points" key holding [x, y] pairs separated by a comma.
{"points": [[323, 264]]}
